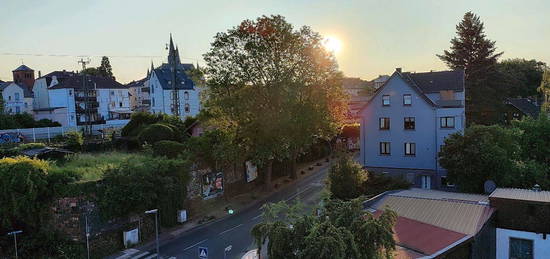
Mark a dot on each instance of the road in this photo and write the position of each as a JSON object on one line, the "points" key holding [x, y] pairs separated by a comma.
{"points": [[235, 230]]}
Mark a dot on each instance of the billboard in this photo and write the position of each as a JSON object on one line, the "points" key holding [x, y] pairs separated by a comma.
{"points": [[251, 171], [212, 185]]}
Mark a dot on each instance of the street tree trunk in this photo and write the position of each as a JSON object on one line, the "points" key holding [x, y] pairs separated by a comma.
{"points": [[293, 159], [268, 175]]}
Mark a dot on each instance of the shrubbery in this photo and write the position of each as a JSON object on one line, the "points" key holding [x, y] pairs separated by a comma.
{"points": [[346, 178], [142, 120], [156, 132], [169, 148], [24, 120], [74, 140]]}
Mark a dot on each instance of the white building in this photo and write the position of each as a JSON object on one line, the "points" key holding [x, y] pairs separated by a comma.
{"points": [[162, 87], [62, 96], [17, 98], [140, 100]]}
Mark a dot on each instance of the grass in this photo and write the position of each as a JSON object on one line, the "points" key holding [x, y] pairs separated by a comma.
{"points": [[92, 166]]}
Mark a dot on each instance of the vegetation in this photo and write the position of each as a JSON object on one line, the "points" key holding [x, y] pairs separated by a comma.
{"points": [[142, 184], [104, 70], [520, 77], [24, 120], [274, 88], [155, 132], [141, 121], [169, 148], [512, 157], [377, 184], [544, 88], [342, 230], [74, 140], [346, 178]]}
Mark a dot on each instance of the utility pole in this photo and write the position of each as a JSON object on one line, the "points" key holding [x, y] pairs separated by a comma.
{"points": [[175, 100], [87, 108]]}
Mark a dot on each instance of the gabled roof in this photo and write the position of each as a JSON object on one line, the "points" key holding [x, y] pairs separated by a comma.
{"points": [[521, 194], [94, 81], [138, 83], [27, 93], [524, 105], [23, 68], [165, 76]]}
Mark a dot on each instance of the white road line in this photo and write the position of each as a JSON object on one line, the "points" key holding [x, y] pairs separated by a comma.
{"points": [[259, 216], [230, 229], [151, 256], [295, 195], [140, 255], [194, 245], [128, 253]]}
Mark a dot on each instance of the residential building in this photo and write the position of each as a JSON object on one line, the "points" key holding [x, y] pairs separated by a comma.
{"points": [[405, 123], [518, 108], [171, 85], [522, 223], [140, 100], [63, 97], [17, 98]]}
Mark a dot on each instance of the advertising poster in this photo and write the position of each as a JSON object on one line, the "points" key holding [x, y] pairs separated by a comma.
{"points": [[212, 185], [251, 171]]}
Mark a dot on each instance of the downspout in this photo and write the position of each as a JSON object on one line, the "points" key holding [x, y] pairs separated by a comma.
{"points": [[435, 144]]}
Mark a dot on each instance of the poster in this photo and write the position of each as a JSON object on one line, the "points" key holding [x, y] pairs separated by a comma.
{"points": [[212, 185], [251, 171]]}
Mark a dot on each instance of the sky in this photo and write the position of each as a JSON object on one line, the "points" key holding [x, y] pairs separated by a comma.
{"points": [[376, 36]]}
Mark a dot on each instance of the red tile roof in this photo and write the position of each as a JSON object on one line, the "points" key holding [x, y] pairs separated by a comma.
{"points": [[421, 237]]}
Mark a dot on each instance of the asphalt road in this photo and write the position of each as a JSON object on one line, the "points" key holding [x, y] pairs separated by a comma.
{"points": [[235, 230]]}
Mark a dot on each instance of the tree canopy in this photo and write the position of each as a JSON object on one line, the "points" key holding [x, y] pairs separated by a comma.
{"points": [[341, 230], [521, 77], [275, 88], [103, 70]]}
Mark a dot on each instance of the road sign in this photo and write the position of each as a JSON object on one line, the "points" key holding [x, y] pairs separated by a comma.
{"points": [[203, 252]]}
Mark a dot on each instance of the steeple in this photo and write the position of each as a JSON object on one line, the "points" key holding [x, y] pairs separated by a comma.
{"points": [[173, 53]]}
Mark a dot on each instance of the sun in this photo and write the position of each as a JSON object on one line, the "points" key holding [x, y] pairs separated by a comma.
{"points": [[332, 44]]}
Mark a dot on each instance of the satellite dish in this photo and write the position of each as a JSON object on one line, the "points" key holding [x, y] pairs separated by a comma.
{"points": [[489, 186]]}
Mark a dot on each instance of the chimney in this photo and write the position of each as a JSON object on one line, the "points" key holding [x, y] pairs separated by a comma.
{"points": [[398, 69], [39, 73]]}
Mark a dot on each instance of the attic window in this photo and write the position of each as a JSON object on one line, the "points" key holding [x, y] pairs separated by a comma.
{"points": [[385, 100]]}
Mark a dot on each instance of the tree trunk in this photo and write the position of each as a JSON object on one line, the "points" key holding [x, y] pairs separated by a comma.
{"points": [[293, 173], [268, 175]]}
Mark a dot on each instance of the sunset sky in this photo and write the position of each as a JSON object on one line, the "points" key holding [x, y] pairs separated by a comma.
{"points": [[376, 36]]}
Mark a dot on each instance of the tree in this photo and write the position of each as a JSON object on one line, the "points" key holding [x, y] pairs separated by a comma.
{"points": [[521, 77], [105, 69], [343, 230], [545, 90], [346, 178], [476, 54], [277, 89]]}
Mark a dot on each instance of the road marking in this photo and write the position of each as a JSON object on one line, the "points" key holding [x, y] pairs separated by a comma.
{"points": [[230, 229], [151, 256], [194, 245], [296, 194], [128, 253], [140, 255], [259, 216]]}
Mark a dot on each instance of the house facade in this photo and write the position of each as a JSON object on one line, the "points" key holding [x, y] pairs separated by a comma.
{"points": [[17, 98], [171, 84], [64, 97], [140, 100], [404, 125]]}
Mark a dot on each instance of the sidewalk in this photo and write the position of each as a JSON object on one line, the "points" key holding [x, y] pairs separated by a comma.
{"points": [[216, 208]]}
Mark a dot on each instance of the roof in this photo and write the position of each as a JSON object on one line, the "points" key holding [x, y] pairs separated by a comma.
{"points": [[457, 212], [165, 75], [23, 68], [97, 81], [138, 83], [433, 82], [41, 151], [525, 105], [521, 194]]}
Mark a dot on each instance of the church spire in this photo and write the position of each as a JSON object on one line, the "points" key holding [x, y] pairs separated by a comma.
{"points": [[173, 53]]}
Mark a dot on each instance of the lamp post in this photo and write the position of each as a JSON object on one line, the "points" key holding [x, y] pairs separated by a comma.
{"points": [[226, 250], [155, 211], [87, 237], [14, 234]]}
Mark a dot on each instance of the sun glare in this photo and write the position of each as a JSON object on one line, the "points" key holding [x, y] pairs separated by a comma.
{"points": [[332, 44]]}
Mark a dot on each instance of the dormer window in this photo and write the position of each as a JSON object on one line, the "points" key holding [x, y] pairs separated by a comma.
{"points": [[407, 99], [385, 100]]}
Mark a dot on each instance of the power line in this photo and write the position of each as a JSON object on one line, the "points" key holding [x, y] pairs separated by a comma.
{"points": [[85, 56]]}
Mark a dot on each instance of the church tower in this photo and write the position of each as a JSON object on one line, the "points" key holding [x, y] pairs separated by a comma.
{"points": [[173, 53], [24, 75]]}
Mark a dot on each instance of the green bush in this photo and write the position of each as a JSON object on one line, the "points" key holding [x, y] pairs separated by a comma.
{"points": [[142, 120], [24, 120], [376, 184], [168, 148], [156, 132], [30, 146], [143, 184], [346, 178], [74, 140]]}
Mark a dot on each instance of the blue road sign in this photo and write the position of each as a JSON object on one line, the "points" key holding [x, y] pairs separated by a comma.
{"points": [[203, 252]]}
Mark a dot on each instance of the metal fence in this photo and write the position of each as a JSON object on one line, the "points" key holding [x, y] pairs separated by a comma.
{"points": [[34, 134]]}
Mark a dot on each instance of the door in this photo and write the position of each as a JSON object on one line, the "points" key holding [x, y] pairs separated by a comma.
{"points": [[426, 182]]}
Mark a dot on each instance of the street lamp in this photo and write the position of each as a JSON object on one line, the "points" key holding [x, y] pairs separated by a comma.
{"points": [[14, 234], [226, 250], [155, 211]]}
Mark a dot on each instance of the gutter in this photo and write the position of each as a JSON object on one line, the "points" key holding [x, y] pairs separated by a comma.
{"points": [[448, 248]]}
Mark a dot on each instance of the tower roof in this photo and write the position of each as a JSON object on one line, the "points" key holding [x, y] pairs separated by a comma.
{"points": [[22, 68], [173, 53]]}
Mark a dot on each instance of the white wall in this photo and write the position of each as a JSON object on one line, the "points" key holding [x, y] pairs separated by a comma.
{"points": [[64, 98], [40, 90], [11, 104], [541, 247]]}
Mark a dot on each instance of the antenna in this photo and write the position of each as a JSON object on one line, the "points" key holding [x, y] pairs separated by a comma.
{"points": [[87, 106]]}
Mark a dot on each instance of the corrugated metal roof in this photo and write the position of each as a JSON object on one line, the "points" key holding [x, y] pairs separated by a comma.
{"points": [[442, 195], [462, 214], [521, 194]]}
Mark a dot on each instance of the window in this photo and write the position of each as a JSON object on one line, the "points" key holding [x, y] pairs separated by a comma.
{"points": [[153, 101], [152, 89], [521, 248], [9, 98], [385, 100], [407, 99], [426, 182], [446, 182], [17, 109], [119, 104], [410, 149], [384, 123], [187, 109], [409, 123], [16, 96], [385, 148], [186, 95], [447, 122], [70, 92], [516, 115]]}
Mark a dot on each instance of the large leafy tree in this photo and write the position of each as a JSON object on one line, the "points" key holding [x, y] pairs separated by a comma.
{"points": [[472, 51], [275, 88], [521, 77], [545, 90], [346, 178], [343, 230]]}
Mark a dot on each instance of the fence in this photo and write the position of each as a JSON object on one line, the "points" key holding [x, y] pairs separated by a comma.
{"points": [[34, 134]]}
